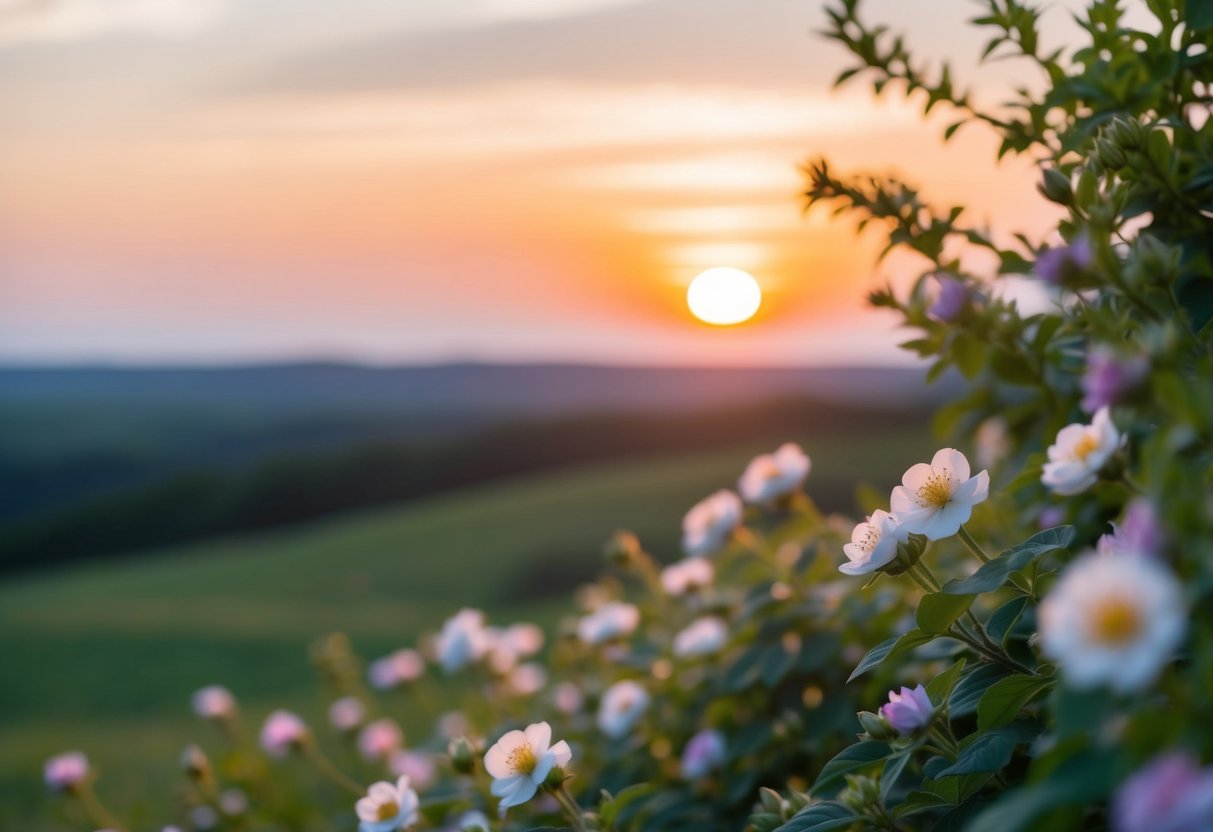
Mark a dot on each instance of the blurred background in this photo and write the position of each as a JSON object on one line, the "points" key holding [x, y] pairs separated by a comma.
{"points": [[328, 316]]}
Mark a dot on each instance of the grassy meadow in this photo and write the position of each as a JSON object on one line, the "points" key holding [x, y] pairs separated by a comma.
{"points": [[104, 656]]}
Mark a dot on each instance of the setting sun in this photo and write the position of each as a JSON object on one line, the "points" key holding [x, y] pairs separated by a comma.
{"points": [[724, 296]]}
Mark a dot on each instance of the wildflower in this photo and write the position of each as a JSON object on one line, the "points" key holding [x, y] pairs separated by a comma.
{"points": [[951, 301], [567, 698], [233, 802], [612, 620], [873, 544], [396, 669], [520, 762], [379, 739], [1110, 377], [908, 711], [418, 766], [702, 637], [347, 713], [65, 772], [710, 523], [515, 642], [1114, 620], [622, 705], [463, 640], [1078, 454], [195, 763], [1138, 533], [1170, 794], [687, 574], [453, 724], [282, 733], [387, 808], [703, 754], [214, 702], [993, 442], [936, 499], [1061, 265], [1051, 516], [771, 477], [527, 679]]}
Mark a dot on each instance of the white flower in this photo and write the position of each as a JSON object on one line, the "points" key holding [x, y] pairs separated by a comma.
{"points": [[396, 669], [418, 766], [463, 640], [710, 523], [622, 705], [873, 544], [936, 499], [214, 702], [993, 442], [520, 761], [615, 619], [64, 772], [379, 739], [347, 713], [387, 808], [283, 732], [1113, 619], [1078, 453], [687, 574], [770, 477], [702, 637]]}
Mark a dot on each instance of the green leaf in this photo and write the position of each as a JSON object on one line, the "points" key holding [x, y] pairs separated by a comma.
{"points": [[990, 751], [941, 686], [889, 648], [937, 611], [972, 686], [855, 757], [969, 353], [1004, 699], [820, 817], [1030, 474], [1003, 620], [1081, 780], [1198, 14], [992, 575]]}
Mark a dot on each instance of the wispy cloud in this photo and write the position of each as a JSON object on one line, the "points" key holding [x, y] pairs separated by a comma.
{"points": [[22, 21]]}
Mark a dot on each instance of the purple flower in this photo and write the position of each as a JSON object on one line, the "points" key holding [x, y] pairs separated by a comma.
{"points": [[64, 772], [1051, 516], [951, 301], [704, 752], [1109, 377], [1058, 265], [1170, 794], [1138, 533], [909, 710]]}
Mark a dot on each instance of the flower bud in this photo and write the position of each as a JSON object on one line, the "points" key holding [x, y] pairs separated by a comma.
{"points": [[195, 763], [874, 727], [952, 300], [909, 711], [1128, 133], [860, 792], [1056, 187], [622, 548], [463, 758], [555, 778], [1110, 154]]}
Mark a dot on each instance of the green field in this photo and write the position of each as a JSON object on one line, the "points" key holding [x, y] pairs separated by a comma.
{"points": [[104, 657]]}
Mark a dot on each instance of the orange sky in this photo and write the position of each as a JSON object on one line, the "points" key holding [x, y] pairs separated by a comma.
{"points": [[198, 180]]}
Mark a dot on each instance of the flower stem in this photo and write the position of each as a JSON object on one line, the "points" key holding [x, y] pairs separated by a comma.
{"points": [[569, 804], [95, 809], [972, 544], [926, 572], [333, 774]]}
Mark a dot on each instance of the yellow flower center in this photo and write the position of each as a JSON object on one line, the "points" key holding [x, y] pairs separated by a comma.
{"points": [[1117, 621], [522, 760], [937, 490], [770, 470], [1086, 446], [388, 810]]}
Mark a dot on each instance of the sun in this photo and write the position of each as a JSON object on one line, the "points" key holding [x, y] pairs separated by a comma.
{"points": [[724, 296]]}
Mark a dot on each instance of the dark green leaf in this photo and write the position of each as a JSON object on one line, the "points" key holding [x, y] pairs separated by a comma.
{"points": [[1002, 621], [889, 648], [820, 817], [937, 611], [992, 575], [941, 686], [858, 756], [991, 750], [969, 690], [1004, 699]]}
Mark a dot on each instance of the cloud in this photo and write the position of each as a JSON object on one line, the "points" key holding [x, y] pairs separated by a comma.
{"points": [[23, 21]]}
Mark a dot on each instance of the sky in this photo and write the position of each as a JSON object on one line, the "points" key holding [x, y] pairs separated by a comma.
{"points": [[200, 181]]}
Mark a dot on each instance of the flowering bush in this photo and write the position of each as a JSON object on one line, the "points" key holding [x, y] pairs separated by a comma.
{"points": [[1029, 644]]}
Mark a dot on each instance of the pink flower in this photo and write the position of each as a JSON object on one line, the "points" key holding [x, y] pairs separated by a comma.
{"points": [[1138, 533], [282, 733], [214, 702], [396, 669], [347, 713], [379, 739], [1170, 794], [418, 766], [64, 772], [909, 710]]}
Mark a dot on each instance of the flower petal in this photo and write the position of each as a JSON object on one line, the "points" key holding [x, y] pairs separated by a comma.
{"points": [[496, 761], [954, 461], [539, 735]]}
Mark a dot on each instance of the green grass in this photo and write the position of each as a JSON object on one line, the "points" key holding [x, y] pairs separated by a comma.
{"points": [[104, 657]]}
